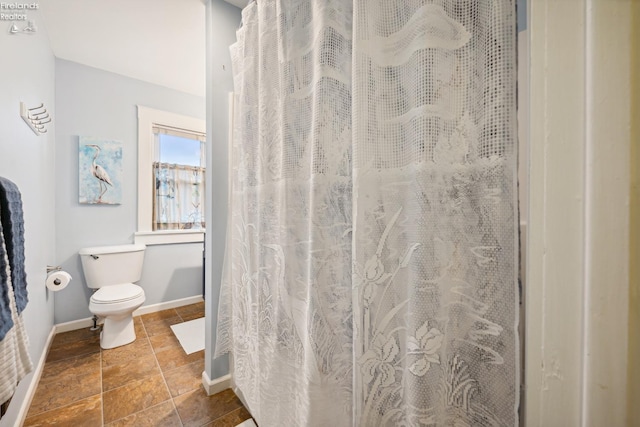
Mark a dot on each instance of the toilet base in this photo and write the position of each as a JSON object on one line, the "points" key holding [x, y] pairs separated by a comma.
{"points": [[117, 331]]}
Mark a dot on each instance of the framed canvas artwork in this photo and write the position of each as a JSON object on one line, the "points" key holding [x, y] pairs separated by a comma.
{"points": [[100, 171]]}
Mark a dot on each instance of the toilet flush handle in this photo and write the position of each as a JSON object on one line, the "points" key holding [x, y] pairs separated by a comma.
{"points": [[95, 256]]}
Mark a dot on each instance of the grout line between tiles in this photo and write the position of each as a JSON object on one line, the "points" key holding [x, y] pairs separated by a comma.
{"points": [[155, 356], [148, 339], [57, 408]]}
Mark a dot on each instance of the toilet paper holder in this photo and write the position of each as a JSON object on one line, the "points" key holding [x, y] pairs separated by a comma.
{"points": [[51, 268]]}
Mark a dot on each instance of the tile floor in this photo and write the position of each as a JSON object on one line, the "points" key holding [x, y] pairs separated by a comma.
{"points": [[150, 382]]}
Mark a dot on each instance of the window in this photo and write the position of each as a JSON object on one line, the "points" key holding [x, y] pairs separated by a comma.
{"points": [[179, 183], [171, 177]]}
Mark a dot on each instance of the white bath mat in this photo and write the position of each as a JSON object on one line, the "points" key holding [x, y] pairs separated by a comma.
{"points": [[190, 334], [247, 423]]}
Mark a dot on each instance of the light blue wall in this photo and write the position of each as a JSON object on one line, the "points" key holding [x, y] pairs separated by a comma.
{"points": [[27, 74], [97, 103], [223, 20], [521, 8]]}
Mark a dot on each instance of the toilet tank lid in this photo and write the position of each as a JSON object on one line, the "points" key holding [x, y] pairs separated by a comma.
{"points": [[102, 250]]}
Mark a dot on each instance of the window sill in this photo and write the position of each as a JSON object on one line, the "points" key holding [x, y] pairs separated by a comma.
{"points": [[168, 237]]}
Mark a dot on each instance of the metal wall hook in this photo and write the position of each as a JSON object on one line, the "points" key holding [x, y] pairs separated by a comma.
{"points": [[30, 28], [35, 117]]}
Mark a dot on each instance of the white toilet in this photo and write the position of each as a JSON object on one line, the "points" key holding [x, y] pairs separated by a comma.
{"points": [[112, 270]]}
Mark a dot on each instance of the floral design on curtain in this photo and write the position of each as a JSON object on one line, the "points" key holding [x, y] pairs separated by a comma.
{"points": [[371, 266], [178, 197]]}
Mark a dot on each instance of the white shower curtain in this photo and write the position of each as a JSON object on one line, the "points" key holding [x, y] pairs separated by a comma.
{"points": [[371, 267]]}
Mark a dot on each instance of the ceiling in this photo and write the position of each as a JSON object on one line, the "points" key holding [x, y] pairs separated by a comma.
{"points": [[158, 41]]}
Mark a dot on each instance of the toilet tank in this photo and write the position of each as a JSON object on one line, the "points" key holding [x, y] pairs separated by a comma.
{"points": [[112, 265]]}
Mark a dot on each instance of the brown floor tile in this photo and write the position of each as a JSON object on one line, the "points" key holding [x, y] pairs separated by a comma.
{"points": [[159, 315], [162, 415], [164, 342], [162, 326], [72, 349], [67, 389], [134, 397], [192, 316], [192, 311], [185, 378], [74, 366], [138, 327], [132, 385], [69, 337], [196, 408], [232, 419], [175, 357], [114, 376], [84, 413], [135, 350]]}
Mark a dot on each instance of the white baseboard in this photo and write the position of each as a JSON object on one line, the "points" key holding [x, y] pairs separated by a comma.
{"points": [[73, 325], [217, 385], [35, 379], [145, 309]]}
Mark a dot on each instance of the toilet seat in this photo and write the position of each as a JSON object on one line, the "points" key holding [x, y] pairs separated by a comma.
{"points": [[116, 293]]}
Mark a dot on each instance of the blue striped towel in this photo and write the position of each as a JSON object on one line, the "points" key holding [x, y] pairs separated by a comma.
{"points": [[12, 233]]}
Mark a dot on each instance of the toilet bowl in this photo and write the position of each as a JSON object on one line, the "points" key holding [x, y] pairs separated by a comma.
{"points": [[116, 305], [111, 271]]}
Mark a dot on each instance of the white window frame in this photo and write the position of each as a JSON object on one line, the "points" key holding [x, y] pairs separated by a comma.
{"points": [[147, 118]]}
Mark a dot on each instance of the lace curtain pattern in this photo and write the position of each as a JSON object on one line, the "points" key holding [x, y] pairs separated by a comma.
{"points": [[178, 197], [371, 265]]}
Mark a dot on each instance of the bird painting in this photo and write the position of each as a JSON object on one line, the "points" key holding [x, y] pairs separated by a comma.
{"points": [[101, 161], [101, 175]]}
